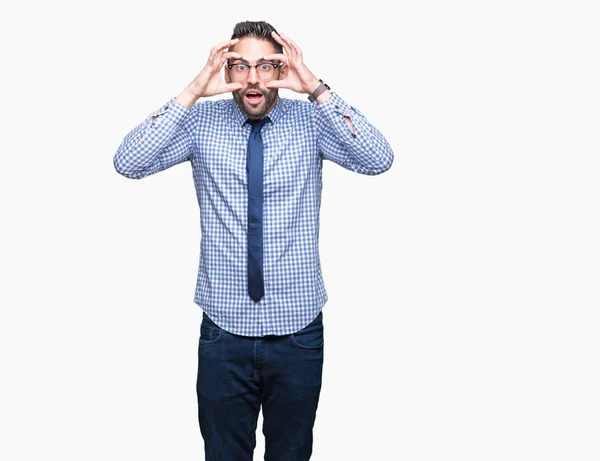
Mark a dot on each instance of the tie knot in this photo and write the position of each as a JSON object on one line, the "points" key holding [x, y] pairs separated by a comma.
{"points": [[258, 124]]}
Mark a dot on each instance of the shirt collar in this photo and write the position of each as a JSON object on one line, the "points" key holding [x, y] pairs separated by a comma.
{"points": [[240, 117]]}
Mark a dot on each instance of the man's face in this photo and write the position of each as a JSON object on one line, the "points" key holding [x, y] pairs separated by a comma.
{"points": [[252, 51]]}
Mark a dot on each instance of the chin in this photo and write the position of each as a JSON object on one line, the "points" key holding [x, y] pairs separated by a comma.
{"points": [[254, 111], [261, 108]]}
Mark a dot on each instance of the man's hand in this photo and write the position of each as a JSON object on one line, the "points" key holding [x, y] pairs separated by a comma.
{"points": [[299, 78], [209, 81]]}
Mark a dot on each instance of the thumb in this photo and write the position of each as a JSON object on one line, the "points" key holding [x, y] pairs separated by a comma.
{"points": [[234, 86], [276, 84]]}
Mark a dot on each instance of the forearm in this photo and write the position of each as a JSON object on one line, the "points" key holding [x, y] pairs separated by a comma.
{"points": [[325, 97], [157, 143], [188, 97], [355, 144]]}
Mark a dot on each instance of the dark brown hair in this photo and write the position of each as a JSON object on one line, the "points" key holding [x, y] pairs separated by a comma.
{"points": [[257, 29]]}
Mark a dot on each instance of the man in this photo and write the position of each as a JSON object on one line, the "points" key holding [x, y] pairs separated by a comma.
{"points": [[257, 163]]}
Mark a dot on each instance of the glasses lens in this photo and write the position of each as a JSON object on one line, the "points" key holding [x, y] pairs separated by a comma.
{"points": [[239, 71], [265, 71]]}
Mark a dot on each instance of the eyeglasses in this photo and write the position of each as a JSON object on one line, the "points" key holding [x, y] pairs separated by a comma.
{"points": [[264, 70]]}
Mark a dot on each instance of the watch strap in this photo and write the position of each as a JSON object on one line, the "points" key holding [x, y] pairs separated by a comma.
{"points": [[320, 89]]}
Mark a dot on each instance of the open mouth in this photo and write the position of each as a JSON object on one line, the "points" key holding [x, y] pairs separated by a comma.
{"points": [[253, 97]]}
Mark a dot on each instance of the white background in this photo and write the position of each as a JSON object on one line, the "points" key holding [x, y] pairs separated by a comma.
{"points": [[462, 321]]}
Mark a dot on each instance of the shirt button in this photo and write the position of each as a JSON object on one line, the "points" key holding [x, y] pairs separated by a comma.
{"points": [[337, 107]]}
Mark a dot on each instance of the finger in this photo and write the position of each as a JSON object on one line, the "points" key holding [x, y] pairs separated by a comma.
{"points": [[277, 83], [291, 43], [276, 36], [286, 46], [215, 50], [222, 45], [277, 56], [286, 40], [234, 86], [229, 54]]}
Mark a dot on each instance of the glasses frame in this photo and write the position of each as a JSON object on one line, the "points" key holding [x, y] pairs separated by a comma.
{"points": [[275, 66]]}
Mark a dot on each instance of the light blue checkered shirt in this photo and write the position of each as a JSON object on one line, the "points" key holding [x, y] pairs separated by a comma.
{"points": [[213, 136]]}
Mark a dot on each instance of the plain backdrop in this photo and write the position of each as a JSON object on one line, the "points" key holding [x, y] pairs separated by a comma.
{"points": [[463, 313]]}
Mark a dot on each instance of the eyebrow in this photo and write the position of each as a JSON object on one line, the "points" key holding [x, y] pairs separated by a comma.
{"points": [[248, 62]]}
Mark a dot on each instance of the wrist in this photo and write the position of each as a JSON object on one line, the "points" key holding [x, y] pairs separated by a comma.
{"points": [[313, 86], [317, 95], [188, 97], [324, 96]]}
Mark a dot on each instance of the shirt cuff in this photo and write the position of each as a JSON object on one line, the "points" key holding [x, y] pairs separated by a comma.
{"points": [[332, 109]]}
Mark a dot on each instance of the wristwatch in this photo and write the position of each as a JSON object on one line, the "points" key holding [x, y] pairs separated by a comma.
{"points": [[315, 94]]}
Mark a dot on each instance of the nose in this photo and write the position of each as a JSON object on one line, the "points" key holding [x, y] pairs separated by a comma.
{"points": [[253, 75]]}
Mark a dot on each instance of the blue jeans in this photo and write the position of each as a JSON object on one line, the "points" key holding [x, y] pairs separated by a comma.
{"points": [[238, 374]]}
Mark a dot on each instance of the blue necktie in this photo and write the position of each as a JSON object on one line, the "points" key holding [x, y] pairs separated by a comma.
{"points": [[254, 168]]}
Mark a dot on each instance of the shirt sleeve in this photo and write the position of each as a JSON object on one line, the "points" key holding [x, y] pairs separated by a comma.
{"points": [[366, 151], [161, 141]]}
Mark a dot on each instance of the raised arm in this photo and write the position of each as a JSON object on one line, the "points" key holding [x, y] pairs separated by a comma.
{"points": [[161, 141], [344, 135], [165, 137]]}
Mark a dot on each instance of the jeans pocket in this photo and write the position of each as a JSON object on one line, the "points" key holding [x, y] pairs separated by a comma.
{"points": [[311, 336], [210, 332]]}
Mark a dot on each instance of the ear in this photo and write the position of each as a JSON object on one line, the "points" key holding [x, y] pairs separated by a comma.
{"points": [[283, 71]]}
